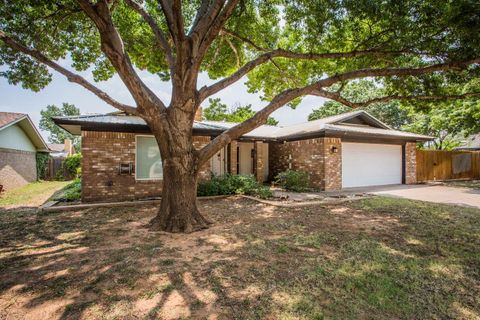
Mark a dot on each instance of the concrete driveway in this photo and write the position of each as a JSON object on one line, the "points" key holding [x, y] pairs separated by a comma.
{"points": [[431, 193]]}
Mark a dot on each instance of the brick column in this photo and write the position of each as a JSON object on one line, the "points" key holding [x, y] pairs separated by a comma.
{"points": [[259, 158], [233, 157], [410, 163], [332, 148]]}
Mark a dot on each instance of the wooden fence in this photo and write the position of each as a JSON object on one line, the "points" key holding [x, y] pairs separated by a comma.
{"points": [[447, 165], [54, 165]]}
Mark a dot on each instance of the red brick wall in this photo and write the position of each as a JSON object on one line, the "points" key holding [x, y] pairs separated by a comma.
{"points": [[410, 163], [259, 161], [102, 152], [303, 155]]}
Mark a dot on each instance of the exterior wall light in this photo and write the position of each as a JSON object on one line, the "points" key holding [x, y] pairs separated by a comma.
{"points": [[334, 149]]}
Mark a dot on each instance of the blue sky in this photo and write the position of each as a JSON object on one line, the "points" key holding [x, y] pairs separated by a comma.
{"points": [[17, 99]]}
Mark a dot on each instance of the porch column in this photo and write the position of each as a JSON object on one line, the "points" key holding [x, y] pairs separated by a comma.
{"points": [[259, 161], [233, 158], [332, 164], [410, 163]]}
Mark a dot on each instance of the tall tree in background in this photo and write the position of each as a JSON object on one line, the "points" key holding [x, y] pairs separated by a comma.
{"points": [[57, 134], [417, 49], [218, 111]]}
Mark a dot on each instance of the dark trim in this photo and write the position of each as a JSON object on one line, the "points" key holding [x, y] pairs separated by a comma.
{"points": [[140, 128], [373, 140], [229, 158], [366, 118]]}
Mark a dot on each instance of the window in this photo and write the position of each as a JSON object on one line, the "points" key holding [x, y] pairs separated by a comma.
{"points": [[148, 161]]}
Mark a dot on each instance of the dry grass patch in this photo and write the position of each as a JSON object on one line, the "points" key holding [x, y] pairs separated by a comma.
{"points": [[373, 259]]}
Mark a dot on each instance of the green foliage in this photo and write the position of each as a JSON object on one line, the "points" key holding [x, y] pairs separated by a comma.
{"points": [[73, 163], [291, 180], [447, 121], [390, 113], [42, 162], [218, 111], [72, 192], [57, 134], [233, 184]]}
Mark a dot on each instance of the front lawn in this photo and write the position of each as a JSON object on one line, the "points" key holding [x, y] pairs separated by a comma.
{"points": [[378, 258], [31, 195]]}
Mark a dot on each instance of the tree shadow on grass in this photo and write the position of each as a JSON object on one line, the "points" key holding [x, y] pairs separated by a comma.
{"points": [[375, 260]]}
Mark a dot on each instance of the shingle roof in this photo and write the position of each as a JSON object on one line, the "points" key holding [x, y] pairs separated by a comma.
{"points": [[335, 124], [9, 117]]}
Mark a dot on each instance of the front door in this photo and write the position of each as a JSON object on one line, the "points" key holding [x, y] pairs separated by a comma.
{"points": [[218, 163], [245, 156]]}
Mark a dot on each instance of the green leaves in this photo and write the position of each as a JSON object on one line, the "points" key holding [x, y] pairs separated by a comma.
{"points": [[57, 134], [218, 111], [410, 33]]}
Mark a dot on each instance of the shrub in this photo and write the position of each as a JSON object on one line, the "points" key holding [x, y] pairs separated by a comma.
{"points": [[72, 163], [72, 192], [292, 180], [233, 184]]}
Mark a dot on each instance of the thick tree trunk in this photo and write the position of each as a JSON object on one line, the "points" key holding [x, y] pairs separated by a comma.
{"points": [[178, 210]]}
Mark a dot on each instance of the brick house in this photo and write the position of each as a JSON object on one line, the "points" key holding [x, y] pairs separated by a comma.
{"points": [[19, 143], [121, 159]]}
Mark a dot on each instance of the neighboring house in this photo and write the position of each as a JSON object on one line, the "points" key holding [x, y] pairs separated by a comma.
{"points": [[472, 143], [61, 150], [19, 143], [121, 159]]}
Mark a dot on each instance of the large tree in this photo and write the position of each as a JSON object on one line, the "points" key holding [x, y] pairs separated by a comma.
{"points": [[288, 49]]}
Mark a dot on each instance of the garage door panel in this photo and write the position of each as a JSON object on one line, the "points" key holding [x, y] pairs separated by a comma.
{"points": [[365, 164]]}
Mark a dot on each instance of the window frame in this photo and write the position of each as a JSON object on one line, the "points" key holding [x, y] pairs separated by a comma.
{"points": [[136, 159]]}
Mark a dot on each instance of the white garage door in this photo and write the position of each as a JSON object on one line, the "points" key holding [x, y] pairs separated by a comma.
{"points": [[368, 164]]}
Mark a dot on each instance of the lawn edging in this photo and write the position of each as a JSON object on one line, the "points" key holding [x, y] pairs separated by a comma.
{"points": [[52, 207], [306, 203]]}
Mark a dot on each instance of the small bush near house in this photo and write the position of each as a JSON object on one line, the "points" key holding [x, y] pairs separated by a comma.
{"points": [[291, 180], [233, 184], [72, 192], [72, 164]]}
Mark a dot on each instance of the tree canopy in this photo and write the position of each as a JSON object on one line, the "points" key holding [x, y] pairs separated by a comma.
{"points": [[292, 44], [57, 134]]}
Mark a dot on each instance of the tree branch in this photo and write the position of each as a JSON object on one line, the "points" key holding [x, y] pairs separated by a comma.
{"points": [[337, 97], [162, 41], [206, 92], [72, 77], [242, 38], [174, 19], [288, 95], [216, 25], [112, 46]]}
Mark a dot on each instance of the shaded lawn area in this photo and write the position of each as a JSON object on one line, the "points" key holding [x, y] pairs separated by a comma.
{"points": [[372, 259], [31, 195]]}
